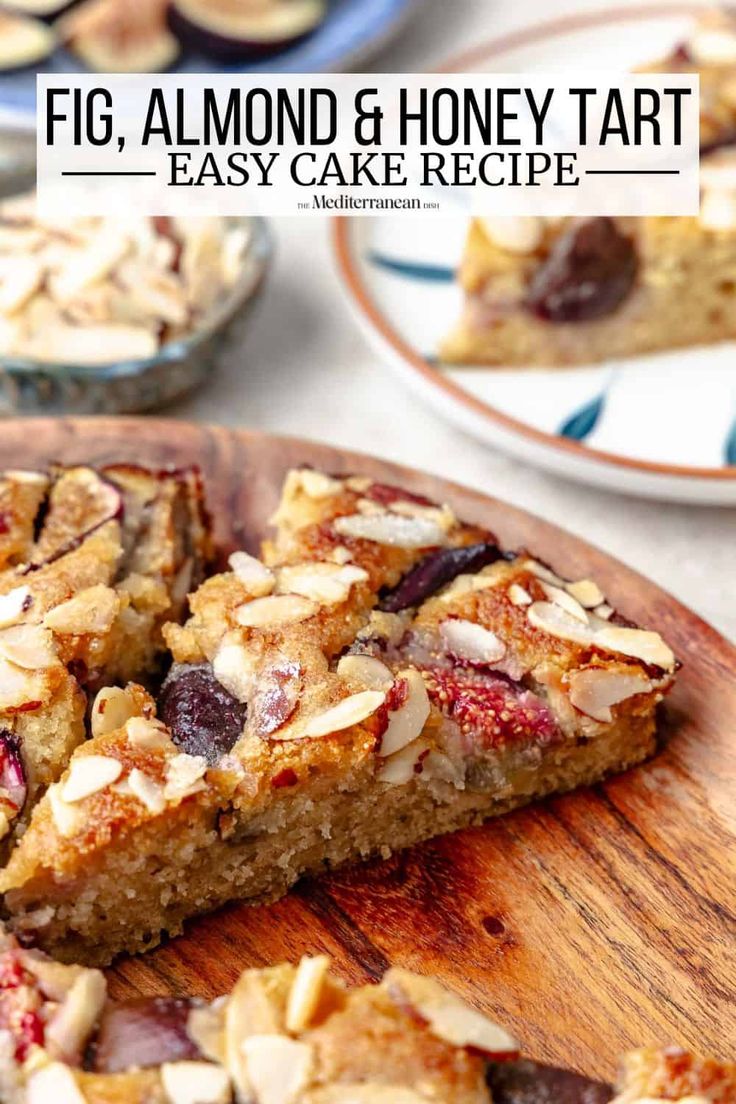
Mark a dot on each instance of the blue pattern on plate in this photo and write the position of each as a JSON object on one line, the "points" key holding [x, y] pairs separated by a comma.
{"points": [[729, 448], [582, 423], [413, 270], [351, 29]]}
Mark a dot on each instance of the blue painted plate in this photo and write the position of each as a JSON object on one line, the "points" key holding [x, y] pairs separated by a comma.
{"points": [[352, 31], [663, 426]]}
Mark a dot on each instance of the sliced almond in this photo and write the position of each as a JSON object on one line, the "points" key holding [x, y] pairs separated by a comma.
{"points": [[586, 592], [111, 711], [605, 612], [317, 485], [68, 819], [184, 776], [148, 734], [53, 1082], [403, 766], [92, 611], [275, 611], [306, 992], [553, 619], [20, 688], [278, 1068], [447, 1015], [341, 555], [148, 791], [593, 691], [543, 572], [392, 530], [325, 583], [406, 723], [565, 601], [13, 605], [68, 1031], [473, 642], [89, 774], [365, 672], [206, 1028], [649, 647], [519, 596], [350, 711], [441, 515], [28, 646], [713, 45], [235, 667], [514, 233], [195, 1083], [254, 575]]}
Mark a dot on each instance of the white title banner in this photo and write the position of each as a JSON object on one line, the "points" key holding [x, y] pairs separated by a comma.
{"points": [[495, 144]]}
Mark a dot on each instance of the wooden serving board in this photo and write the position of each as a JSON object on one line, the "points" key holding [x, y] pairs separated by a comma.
{"points": [[587, 924]]}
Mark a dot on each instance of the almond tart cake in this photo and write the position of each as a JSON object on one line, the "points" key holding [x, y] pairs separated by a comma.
{"points": [[92, 564], [294, 1035], [383, 675], [543, 292]]}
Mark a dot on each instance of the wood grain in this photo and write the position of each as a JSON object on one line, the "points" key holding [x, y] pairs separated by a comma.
{"points": [[587, 924]]}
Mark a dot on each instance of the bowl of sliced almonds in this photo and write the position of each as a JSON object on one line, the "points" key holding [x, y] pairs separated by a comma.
{"points": [[119, 314]]}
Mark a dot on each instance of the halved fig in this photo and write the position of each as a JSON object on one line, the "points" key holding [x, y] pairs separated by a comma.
{"points": [[120, 36], [41, 9], [234, 29], [143, 1033], [80, 502], [24, 42]]}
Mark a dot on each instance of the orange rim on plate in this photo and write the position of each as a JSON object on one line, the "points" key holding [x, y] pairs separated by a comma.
{"points": [[361, 295]]}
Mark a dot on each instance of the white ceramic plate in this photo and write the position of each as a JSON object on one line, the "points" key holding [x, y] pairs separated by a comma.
{"points": [[663, 426]]}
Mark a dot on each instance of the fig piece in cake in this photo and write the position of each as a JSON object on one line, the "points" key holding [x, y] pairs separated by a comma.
{"points": [[233, 30], [143, 1033], [24, 42], [81, 501]]}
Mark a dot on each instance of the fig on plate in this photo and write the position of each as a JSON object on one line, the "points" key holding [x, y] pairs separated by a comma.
{"points": [[24, 42], [235, 29], [120, 36], [40, 9]]}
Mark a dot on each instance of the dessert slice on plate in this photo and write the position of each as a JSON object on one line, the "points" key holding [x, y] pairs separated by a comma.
{"points": [[385, 675], [559, 292], [92, 563], [292, 1035]]}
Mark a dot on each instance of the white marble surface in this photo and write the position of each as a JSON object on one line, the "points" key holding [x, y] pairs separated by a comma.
{"points": [[301, 367]]}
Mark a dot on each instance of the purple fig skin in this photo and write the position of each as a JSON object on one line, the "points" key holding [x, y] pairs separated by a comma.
{"points": [[143, 1033], [204, 719], [12, 771], [589, 272], [222, 47], [436, 571], [526, 1082]]}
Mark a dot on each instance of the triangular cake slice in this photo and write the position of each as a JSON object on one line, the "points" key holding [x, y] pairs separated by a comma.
{"points": [[92, 563], [294, 1035], [303, 726]]}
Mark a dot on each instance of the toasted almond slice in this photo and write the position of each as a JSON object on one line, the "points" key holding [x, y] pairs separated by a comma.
{"points": [[206, 1027], [605, 612], [143, 732], [365, 672], [341, 554], [586, 592], [148, 791], [713, 45], [234, 667], [54, 1081], [447, 1015], [278, 1068], [325, 583], [441, 515], [543, 572], [519, 596], [514, 233], [13, 605], [350, 711], [69, 819], [195, 1083], [552, 619], [19, 687], [92, 611], [88, 266], [112, 709], [28, 646], [392, 530], [593, 691], [306, 991], [60, 343], [406, 723], [401, 767], [473, 642], [68, 1031], [184, 776], [253, 574], [317, 485], [27, 278], [89, 774], [649, 647], [565, 601], [275, 611]]}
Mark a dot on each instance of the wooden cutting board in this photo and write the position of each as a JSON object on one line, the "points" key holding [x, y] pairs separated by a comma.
{"points": [[586, 924]]}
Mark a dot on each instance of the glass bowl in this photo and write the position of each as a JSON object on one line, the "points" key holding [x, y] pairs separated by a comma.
{"points": [[36, 387]]}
